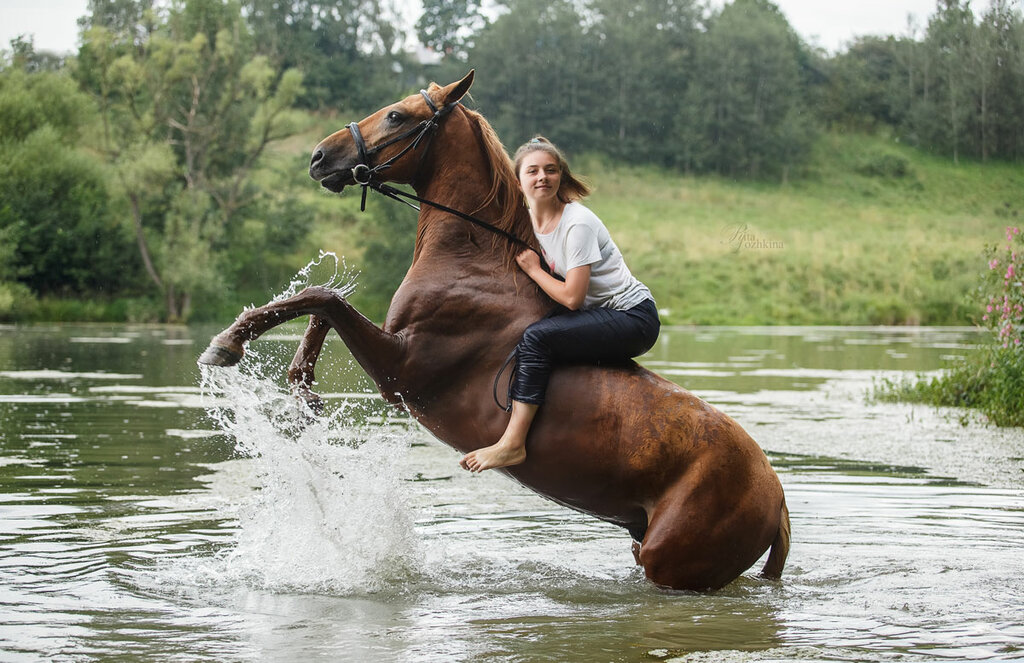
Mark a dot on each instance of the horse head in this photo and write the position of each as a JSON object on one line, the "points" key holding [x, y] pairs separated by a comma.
{"points": [[388, 145]]}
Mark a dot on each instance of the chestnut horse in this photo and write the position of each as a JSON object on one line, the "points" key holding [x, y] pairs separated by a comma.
{"points": [[695, 492]]}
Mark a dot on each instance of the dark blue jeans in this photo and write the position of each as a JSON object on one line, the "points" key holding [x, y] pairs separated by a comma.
{"points": [[581, 337]]}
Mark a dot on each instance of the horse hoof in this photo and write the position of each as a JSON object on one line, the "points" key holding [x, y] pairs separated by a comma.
{"points": [[312, 399], [315, 403], [219, 355]]}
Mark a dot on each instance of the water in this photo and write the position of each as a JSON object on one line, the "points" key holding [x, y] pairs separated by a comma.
{"points": [[135, 525]]}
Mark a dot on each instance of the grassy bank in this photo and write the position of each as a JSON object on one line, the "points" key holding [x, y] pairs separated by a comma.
{"points": [[871, 233], [874, 234]]}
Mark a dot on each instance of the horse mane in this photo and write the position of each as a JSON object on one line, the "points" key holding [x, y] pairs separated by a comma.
{"points": [[504, 186]]}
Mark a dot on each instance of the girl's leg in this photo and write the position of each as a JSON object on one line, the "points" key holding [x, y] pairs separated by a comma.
{"points": [[578, 336], [511, 448]]}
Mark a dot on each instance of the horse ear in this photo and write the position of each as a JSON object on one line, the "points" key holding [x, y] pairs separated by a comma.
{"points": [[457, 91]]}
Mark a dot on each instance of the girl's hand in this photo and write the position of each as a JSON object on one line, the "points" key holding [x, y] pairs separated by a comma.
{"points": [[570, 293], [528, 261]]}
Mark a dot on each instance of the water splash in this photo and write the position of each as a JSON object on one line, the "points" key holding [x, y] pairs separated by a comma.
{"points": [[327, 513], [327, 270]]}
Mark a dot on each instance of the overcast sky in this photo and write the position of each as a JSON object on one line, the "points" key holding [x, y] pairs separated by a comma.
{"points": [[826, 23]]}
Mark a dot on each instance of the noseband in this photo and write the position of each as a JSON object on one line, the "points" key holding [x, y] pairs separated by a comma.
{"points": [[363, 173]]}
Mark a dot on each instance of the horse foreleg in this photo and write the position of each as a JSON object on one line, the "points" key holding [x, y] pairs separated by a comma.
{"points": [[228, 347], [377, 351], [301, 373]]}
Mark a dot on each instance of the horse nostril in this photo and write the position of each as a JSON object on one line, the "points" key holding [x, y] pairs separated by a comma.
{"points": [[318, 156]]}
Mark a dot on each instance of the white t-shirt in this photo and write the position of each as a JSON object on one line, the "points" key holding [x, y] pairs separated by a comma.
{"points": [[581, 239]]}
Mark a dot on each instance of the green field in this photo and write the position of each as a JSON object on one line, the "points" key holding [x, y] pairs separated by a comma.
{"points": [[872, 233]]}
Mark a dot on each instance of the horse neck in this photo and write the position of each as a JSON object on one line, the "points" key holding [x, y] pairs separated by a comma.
{"points": [[460, 179], [457, 262]]}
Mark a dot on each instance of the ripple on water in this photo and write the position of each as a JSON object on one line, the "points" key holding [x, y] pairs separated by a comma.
{"points": [[338, 539]]}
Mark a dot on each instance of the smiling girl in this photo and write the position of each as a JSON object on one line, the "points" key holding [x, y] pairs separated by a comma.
{"points": [[609, 316]]}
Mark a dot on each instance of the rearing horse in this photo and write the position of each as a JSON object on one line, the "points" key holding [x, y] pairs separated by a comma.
{"points": [[696, 493]]}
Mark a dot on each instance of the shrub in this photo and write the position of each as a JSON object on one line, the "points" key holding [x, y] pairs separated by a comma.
{"points": [[992, 380]]}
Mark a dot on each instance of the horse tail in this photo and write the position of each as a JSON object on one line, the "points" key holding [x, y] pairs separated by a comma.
{"points": [[780, 547]]}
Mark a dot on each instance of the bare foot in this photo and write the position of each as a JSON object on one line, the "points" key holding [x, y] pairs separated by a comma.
{"points": [[500, 454], [510, 449]]}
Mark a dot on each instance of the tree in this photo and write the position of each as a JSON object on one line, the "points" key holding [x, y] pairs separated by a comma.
{"points": [[1001, 60], [346, 49], [864, 84], [644, 55], [187, 112], [540, 68], [744, 112], [24, 56], [57, 221], [950, 36], [447, 26]]}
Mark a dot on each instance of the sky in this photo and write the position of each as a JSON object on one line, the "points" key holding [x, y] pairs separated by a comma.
{"points": [[830, 24]]}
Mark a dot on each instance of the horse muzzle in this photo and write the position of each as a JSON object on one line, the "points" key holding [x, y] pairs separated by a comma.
{"points": [[332, 170]]}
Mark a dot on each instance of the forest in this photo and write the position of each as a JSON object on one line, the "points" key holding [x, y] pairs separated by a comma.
{"points": [[158, 174]]}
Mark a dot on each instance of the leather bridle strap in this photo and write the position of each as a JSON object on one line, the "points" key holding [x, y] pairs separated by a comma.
{"points": [[363, 173], [393, 193]]}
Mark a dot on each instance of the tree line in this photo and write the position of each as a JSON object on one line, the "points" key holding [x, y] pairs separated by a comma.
{"points": [[734, 91], [136, 170]]}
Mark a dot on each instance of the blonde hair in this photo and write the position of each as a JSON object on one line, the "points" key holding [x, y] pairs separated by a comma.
{"points": [[571, 188]]}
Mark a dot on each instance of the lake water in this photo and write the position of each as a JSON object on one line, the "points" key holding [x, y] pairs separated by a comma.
{"points": [[144, 516]]}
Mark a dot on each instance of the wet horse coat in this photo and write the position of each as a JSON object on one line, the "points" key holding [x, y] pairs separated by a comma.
{"points": [[617, 442]]}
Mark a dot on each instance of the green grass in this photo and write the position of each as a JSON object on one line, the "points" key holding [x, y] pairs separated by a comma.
{"points": [[841, 245], [871, 232]]}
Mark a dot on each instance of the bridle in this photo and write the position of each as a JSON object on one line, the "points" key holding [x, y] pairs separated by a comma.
{"points": [[421, 135], [363, 174]]}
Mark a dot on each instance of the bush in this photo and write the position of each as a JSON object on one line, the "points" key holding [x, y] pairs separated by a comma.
{"points": [[13, 297], [992, 380]]}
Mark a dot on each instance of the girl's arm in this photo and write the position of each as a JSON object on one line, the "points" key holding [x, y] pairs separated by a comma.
{"points": [[569, 293]]}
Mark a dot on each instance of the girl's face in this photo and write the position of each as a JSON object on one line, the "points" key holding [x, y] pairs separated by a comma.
{"points": [[540, 176]]}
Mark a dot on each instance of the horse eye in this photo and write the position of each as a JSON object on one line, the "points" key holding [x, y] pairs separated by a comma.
{"points": [[394, 117]]}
